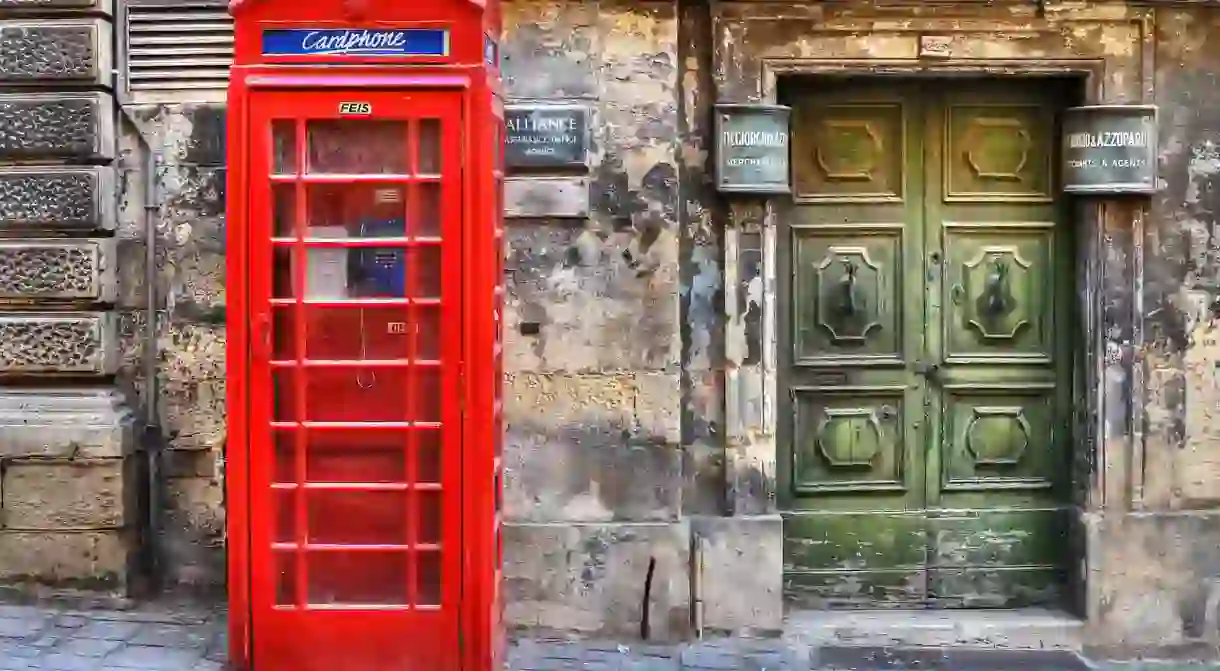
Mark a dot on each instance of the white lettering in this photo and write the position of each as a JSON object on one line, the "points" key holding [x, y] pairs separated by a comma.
{"points": [[354, 40], [1107, 139], [755, 138]]}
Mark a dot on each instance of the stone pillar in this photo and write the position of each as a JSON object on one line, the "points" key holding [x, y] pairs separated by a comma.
{"points": [[66, 513]]}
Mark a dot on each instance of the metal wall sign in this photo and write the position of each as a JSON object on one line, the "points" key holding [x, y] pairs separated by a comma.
{"points": [[752, 149], [546, 136], [1110, 149]]}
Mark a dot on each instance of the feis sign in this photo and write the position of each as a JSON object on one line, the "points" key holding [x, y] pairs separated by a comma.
{"points": [[752, 149], [1110, 149], [415, 42]]}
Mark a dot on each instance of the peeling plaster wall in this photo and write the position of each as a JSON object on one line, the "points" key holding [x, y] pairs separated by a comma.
{"points": [[1156, 569], [594, 456], [188, 148]]}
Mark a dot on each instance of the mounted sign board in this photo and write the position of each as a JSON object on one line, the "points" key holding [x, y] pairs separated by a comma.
{"points": [[752, 149], [362, 42], [546, 136], [1110, 149]]}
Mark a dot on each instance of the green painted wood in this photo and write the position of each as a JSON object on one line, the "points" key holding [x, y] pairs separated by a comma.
{"points": [[925, 357]]}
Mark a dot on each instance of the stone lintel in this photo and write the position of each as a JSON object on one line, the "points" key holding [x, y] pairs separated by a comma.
{"points": [[72, 422], [58, 269], [56, 51], [57, 198], [56, 126], [49, 343]]}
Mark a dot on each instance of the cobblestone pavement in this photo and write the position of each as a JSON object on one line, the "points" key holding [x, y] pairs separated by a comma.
{"points": [[182, 639]]}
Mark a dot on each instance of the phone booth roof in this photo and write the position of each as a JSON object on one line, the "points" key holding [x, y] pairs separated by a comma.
{"points": [[366, 32]]}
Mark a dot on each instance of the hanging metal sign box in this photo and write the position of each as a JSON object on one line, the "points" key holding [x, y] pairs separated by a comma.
{"points": [[1110, 150], [752, 149]]}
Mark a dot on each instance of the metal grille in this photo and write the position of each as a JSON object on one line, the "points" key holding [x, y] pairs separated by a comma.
{"points": [[178, 45]]}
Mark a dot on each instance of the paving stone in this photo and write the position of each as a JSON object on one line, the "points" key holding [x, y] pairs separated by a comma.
{"points": [[89, 647], [58, 661], [25, 626], [172, 636], [109, 630], [154, 658]]}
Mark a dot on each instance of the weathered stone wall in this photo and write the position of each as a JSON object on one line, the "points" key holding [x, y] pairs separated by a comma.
{"points": [[1155, 565], [68, 488], [593, 455]]}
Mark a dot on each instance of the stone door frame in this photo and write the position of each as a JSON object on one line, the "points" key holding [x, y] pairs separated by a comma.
{"points": [[1107, 445]]}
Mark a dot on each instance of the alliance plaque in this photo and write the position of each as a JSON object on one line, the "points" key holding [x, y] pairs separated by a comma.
{"points": [[546, 136], [1110, 149], [752, 149]]}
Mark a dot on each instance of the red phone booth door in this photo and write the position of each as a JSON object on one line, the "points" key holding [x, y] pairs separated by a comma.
{"points": [[355, 284]]}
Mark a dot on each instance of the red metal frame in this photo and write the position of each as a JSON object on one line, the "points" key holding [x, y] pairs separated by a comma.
{"points": [[466, 631]]}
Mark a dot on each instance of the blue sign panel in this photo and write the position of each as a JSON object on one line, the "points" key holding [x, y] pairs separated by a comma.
{"points": [[356, 42]]}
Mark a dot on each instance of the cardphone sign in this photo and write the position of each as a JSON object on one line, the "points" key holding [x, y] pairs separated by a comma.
{"points": [[356, 42]]}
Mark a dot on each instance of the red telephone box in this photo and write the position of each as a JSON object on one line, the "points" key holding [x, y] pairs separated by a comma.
{"points": [[364, 311]]}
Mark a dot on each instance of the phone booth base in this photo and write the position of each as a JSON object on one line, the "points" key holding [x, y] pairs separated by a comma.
{"points": [[364, 336]]}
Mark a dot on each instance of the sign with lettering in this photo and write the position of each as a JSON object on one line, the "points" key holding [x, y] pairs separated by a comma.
{"points": [[1110, 149], [752, 149], [546, 136], [407, 42]]}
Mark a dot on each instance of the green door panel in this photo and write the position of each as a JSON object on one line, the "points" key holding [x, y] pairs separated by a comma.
{"points": [[925, 356]]}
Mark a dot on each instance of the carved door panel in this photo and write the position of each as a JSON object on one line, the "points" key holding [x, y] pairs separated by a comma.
{"points": [[919, 284]]}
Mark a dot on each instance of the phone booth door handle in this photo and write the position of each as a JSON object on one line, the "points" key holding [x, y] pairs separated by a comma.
{"points": [[262, 337]]}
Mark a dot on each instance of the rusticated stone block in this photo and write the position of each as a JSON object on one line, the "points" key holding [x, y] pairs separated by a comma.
{"points": [[78, 422], [56, 125], [91, 559], [57, 198], [76, 50], [75, 342], [66, 495], [104, 6], [63, 269]]}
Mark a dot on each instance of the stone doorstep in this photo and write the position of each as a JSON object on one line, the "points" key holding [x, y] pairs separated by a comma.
{"points": [[1023, 629]]}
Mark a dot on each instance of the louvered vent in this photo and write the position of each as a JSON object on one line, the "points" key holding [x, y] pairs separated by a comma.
{"points": [[178, 45]]}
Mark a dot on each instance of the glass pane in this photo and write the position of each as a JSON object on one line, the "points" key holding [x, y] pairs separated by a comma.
{"points": [[285, 515], [363, 455], [429, 530], [284, 146], [281, 273], [357, 211], [428, 451], [358, 394], [430, 146], [358, 578], [286, 578], [347, 517], [284, 206], [428, 210], [428, 579], [356, 333], [285, 467], [357, 147], [283, 389], [283, 334], [428, 338], [427, 395], [426, 264]]}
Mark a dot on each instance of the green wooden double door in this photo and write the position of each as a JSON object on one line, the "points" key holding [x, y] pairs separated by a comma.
{"points": [[925, 274]]}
